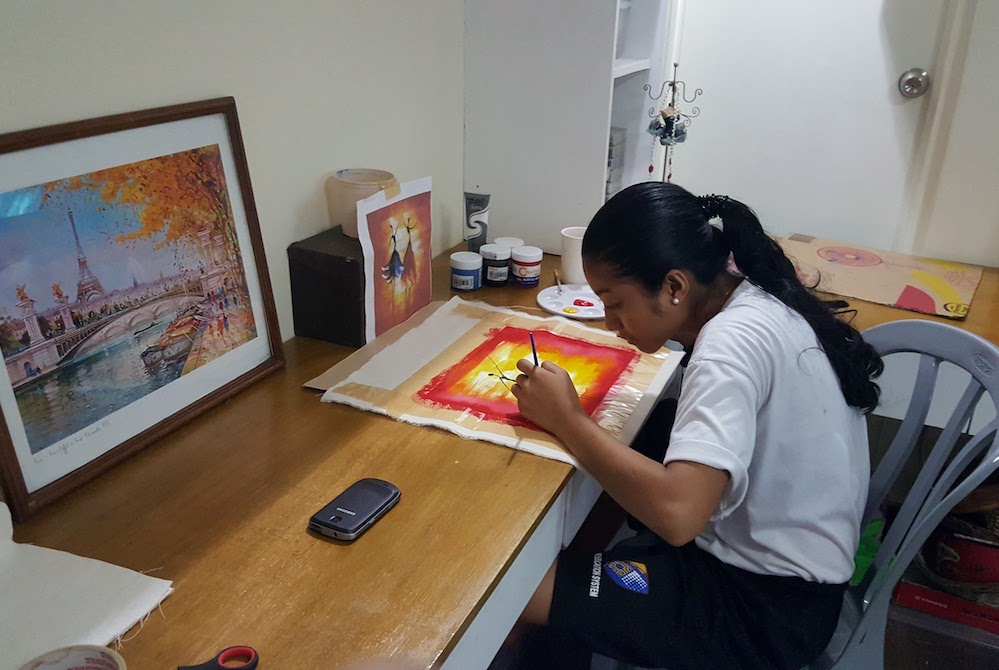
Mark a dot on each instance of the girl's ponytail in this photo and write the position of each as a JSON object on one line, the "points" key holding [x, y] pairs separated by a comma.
{"points": [[762, 261], [648, 229]]}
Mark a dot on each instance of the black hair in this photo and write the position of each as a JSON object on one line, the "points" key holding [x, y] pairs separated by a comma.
{"points": [[648, 229]]}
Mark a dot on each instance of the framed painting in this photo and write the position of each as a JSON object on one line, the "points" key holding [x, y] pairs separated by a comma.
{"points": [[134, 292]]}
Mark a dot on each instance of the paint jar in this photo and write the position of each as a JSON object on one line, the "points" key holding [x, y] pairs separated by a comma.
{"points": [[496, 264], [466, 271], [526, 266], [512, 242]]}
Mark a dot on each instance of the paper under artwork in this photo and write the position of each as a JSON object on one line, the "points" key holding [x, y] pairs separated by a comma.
{"points": [[455, 371], [926, 285], [395, 238]]}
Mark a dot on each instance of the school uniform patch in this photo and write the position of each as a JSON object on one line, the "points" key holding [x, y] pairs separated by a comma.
{"points": [[629, 575], [595, 576]]}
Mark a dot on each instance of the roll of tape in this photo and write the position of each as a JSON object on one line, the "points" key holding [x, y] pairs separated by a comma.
{"points": [[78, 657]]}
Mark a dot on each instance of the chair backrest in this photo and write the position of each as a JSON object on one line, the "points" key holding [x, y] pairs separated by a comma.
{"points": [[944, 479]]}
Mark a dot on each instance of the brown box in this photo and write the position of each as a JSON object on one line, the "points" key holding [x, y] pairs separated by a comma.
{"points": [[327, 287]]}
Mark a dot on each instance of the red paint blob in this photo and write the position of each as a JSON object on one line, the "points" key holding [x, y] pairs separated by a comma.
{"points": [[579, 302]]}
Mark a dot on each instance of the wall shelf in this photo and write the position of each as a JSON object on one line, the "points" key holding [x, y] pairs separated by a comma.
{"points": [[626, 66], [547, 133]]}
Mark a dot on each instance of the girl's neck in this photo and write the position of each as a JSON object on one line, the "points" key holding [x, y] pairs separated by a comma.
{"points": [[709, 301]]}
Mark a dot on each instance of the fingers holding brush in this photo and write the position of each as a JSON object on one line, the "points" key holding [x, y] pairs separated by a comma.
{"points": [[545, 394]]}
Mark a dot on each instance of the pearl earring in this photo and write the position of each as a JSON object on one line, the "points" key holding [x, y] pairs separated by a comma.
{"points": [[676, 301]]}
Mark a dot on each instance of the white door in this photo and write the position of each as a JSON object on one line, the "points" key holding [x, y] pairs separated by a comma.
{"points": [[959, 218], [801, 116], [802, 119]]}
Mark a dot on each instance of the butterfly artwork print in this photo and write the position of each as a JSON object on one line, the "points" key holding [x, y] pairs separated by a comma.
{"points": [[395, 236]]}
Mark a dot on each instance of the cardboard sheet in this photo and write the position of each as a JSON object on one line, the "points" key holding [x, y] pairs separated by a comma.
{"points": [[51, 599], [924, 285], [455, 356]]}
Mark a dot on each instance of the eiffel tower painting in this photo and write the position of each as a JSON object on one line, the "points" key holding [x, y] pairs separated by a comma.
{"points": [[144, 313], [88, 286]]}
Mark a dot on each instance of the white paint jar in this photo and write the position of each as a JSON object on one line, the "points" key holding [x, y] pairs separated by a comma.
{"points": [[512, 242]]}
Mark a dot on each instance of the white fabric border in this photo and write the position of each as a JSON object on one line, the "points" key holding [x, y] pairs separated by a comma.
{"points": [[440, 319], [51, 599]]}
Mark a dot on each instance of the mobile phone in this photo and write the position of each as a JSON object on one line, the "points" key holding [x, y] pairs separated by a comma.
{"points": [[356, 509]]}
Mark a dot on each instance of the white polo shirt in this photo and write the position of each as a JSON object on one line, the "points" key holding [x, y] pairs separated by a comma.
{"points": [[761, 401]]}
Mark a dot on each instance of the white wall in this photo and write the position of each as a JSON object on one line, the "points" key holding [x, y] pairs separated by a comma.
{"points": [[319, 85]]}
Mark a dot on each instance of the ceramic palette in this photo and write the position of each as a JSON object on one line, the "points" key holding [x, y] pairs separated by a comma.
{"points": [[576, 301]]}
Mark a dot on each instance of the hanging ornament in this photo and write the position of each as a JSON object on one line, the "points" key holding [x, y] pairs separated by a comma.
{"points": [[669, 124]]}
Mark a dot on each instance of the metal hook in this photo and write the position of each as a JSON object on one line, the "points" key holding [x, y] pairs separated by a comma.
{"points": [[683, 92], [648, 89]]}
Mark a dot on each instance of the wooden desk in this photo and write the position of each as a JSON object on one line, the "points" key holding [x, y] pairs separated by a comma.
{"points": [[221, 506]]}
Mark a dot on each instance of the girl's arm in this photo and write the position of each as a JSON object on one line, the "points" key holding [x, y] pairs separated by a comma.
{"points": [[675, 501]]}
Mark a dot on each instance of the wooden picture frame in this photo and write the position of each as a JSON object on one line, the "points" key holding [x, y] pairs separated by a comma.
{"points": [[134, 292]]}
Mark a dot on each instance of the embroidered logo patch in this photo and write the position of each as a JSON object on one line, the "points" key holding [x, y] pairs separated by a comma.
{"points": [[595, 576], [630, 575]]}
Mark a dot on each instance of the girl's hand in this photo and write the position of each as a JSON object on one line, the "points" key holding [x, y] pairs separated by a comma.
{"points": [[546, 396]]}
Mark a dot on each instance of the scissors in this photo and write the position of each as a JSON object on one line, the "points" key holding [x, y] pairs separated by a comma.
{"points": [[238, 658]]}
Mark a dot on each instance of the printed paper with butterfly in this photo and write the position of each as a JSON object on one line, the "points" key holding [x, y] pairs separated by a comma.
{"points": [[395, 238], [455, 370]]}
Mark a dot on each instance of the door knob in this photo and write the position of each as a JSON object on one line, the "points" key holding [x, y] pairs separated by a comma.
{"points": [[914, 82]]}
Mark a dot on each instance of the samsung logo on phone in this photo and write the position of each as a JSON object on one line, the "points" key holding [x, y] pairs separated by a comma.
{"points": [[346, 511]]}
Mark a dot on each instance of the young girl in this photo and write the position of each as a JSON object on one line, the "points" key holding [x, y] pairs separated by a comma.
{"points": [[756, 508]]}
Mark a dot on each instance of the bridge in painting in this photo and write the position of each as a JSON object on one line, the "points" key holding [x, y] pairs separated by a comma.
{"points": [[45, 356]]}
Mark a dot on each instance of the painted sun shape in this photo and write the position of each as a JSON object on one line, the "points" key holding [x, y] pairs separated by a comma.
{"points": [[480, 382]]}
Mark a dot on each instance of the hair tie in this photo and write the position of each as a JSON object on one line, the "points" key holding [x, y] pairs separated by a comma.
{"points": [[712, 204]]}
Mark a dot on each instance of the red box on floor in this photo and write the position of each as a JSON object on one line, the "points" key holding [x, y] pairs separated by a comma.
{"points": [[946, 606]]}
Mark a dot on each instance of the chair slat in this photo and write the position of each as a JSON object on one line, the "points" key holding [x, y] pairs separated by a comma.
{"points": [[928, 474], [905, 440], [960, 463]]}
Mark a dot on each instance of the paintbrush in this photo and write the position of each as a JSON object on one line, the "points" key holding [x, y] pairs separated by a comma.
{"points": [[503, 379], [558, 282], [534, 350]]}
